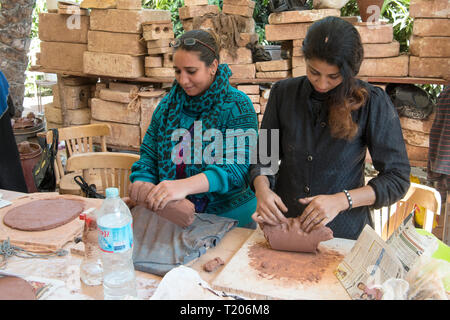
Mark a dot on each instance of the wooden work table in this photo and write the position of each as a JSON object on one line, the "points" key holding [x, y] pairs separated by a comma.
{"points": [[67, 268]]}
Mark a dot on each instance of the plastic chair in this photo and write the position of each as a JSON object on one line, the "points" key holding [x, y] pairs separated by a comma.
{"points": [[78, 139], [387, 219], [104, 169]]}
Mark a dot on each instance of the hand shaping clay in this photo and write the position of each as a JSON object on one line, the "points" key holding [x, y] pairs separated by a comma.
{"points": [[290, 236], [14, 288], [40, 215], [213, 264], [180, 212]]}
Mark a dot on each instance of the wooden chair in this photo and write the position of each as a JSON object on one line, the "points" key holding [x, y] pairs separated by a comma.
{"points": [[78, 139], [387, 219], [105, 169]]}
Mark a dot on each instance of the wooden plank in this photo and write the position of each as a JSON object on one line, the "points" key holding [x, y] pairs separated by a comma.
{"points": [[113, 65], [55, 27], [239, 276], [302, 16], [63, 55], [49, 240], [111, 111], [128, 21]]}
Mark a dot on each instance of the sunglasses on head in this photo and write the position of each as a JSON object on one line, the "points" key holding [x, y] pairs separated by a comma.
{"points": [[189, 42]]}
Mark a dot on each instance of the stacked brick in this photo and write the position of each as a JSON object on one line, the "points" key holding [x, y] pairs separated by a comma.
{"points": [[430, 40], [274, 69], [71, 103], [158, 36], [241, 64], [115, 48], [195, 8], [290, 28], [127, 111], [240, 59], [64, 40], [416, 134], [382, 56]]}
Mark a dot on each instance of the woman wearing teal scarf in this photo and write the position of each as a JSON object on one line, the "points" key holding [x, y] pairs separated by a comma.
{"points": [[201, 100]]}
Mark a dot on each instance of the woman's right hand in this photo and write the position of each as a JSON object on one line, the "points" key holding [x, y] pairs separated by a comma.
{"points": [[269, 208], [139, 190]]}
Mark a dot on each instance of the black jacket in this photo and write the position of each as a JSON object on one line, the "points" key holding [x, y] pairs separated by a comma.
{"points": [[314, 163]]}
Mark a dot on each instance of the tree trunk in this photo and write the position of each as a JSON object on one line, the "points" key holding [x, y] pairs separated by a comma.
{"points": [[15, 29]]}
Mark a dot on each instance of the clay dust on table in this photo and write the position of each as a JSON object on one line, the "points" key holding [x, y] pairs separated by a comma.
{"points": [[304, 267]]}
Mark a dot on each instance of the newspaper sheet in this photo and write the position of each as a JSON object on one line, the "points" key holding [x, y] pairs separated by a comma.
{"points": [[372, 261]]}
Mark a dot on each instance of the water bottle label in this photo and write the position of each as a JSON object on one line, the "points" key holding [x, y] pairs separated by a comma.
{"points": [[115, 239]]}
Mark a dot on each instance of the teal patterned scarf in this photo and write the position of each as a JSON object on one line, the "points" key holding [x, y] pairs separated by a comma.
{"points": [[208, 106]]}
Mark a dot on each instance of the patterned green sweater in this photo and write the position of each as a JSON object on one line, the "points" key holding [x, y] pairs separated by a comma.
{"points": [[235, 120]]}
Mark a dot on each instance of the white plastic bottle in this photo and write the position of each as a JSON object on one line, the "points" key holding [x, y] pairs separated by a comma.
{"points": [[115, 238]]}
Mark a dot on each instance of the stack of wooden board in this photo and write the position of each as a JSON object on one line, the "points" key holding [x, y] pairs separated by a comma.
{"points": [[430, 40], [71, 102], [416, 134], [274, 69], [290, 27], [195, 8], [240, 59], [114, 43], [52, 111], [119, 105], [64, 40], [381, 51]]}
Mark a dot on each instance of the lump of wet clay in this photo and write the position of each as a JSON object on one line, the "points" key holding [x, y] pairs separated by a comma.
{"points": [[290, 236], [41, 215], [213, 264], [15, 288], [180, 212]]}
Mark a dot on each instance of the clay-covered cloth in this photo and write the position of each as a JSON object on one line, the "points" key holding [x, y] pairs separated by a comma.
{"points": [[160, 245]]}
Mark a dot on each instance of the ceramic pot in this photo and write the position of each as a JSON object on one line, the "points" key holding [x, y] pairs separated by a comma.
{"points": [[370, 10]]}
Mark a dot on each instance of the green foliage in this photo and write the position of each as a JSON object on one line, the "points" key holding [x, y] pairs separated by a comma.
{"points": [[350, 9], [261, 17], [433, 90], [397, 13], [39, 6], [172, 6], [260, 14]]}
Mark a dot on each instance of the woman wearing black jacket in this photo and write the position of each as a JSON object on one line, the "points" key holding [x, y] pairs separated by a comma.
{"points": [[326, 121]]}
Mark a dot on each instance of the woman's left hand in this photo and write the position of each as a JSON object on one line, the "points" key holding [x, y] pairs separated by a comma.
{"points": [[164, 192], [321, 210]]}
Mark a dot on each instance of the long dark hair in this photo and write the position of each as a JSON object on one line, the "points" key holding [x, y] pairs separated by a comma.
{"points": [[206, 54], [337, 42]]}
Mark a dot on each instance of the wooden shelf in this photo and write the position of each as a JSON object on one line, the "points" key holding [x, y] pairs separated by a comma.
{"points": [[410, 80]]}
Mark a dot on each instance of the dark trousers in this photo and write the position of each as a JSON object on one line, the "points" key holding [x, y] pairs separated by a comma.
{"points": [[11, 174]]}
